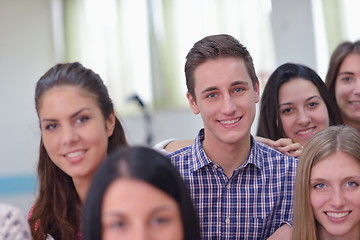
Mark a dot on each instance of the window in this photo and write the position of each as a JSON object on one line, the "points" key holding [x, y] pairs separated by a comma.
{"points": [[139, 46]]}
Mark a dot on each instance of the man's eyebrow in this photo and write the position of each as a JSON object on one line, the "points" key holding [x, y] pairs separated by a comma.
{"points": [[209, 89]]}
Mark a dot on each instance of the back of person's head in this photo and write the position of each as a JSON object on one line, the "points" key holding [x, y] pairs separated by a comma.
{"points": [[270, 125], [325, 142], [336, 59], [147, 165], [214, 47]]}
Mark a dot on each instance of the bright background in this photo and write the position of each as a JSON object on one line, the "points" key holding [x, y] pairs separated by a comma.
{"points": [[139, 47]]}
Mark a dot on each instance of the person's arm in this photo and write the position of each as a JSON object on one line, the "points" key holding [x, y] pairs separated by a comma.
{"points": [[283, 233], [178, 144], [284, 145]]}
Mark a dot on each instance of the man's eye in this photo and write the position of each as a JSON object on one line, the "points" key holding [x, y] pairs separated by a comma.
{"points": [[211, 95], [238, 90]]}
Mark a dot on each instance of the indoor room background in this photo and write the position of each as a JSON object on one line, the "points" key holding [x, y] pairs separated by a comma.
{"points": [[138, 47]]}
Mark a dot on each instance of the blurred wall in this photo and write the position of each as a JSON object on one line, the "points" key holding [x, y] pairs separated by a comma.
{"points": [[25, 52]]}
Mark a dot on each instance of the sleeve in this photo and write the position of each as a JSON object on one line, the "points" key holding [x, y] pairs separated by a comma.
{"points": [[289, 191], [13, 224], [161, 145]]}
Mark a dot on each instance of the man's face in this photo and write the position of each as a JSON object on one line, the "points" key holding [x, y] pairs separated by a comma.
{"points": [[226, 99]]}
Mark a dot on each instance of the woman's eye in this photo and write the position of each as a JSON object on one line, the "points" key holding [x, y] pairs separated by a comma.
{"points": [[82, 119], [346, 79], [117, 224], [286, 110], [352, 184], [313, 104], [51, 126], [319, 186], [160, 220]]}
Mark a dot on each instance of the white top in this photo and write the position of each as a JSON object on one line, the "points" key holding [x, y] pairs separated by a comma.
{"points": [[13, 224], [161, 145]]}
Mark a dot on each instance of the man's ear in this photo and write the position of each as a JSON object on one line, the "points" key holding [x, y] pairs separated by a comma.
{"points": [[110, 124], [192, 103]]}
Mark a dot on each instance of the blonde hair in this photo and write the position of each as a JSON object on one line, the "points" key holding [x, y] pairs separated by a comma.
{"points": [[332, 139]]}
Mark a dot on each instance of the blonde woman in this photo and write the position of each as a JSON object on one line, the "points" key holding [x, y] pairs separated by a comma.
{"points": [[327, 192]]}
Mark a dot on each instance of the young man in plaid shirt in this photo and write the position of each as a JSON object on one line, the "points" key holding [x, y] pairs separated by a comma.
{"points": [[241, 189]]}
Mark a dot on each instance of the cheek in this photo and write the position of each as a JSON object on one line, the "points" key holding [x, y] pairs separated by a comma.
{"points": [[322, 117], [287, 123], [316, 200], [49, 143], [341, 91]]}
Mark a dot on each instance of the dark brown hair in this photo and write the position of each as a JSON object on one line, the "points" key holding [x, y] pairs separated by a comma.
{"points": [[213, 47]]}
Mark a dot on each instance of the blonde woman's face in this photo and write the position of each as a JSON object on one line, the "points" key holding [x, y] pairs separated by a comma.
{"points": [[335, 196], [133, 209]]}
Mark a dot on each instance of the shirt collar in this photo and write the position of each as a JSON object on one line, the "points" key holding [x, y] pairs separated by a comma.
{"points": [[200, 159]]}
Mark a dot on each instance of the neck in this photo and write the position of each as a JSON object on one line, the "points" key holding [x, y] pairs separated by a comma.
{"points": [[352, 123], [82, 187], [228, 156]]}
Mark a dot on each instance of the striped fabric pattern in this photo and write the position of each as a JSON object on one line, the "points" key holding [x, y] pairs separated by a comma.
{"points": [[252, 204]]}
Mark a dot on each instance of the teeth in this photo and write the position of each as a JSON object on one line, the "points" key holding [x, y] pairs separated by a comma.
{"points": [[355, 103], [74, 154], [230, 121], [337, 215], [305, 132]]}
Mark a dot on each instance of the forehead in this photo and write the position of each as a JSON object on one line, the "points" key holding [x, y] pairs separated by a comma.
{"points": [[65, 98], [297, 88], [346, 165], [134, 190], [221, 72], [351, 61]]}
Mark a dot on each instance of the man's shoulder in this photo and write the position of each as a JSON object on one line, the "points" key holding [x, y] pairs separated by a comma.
{"points": [[270, 154], [183, 154]]}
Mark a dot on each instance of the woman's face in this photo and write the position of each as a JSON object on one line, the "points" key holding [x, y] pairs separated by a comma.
{"points": [[74, 131], [134, 209], [347, 90], [302, 110], [335, 196]]}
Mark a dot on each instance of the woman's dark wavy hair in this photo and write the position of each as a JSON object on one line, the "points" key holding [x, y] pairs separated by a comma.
{"points": [[270, 125], [336, 59], [143, 164], [57, 210]]}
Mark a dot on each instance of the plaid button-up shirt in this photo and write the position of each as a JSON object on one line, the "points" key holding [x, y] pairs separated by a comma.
{"points": [[255, 201]]}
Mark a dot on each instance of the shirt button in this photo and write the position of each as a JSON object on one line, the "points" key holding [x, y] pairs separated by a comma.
{"points": [[228, 186], [227, 220]]}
